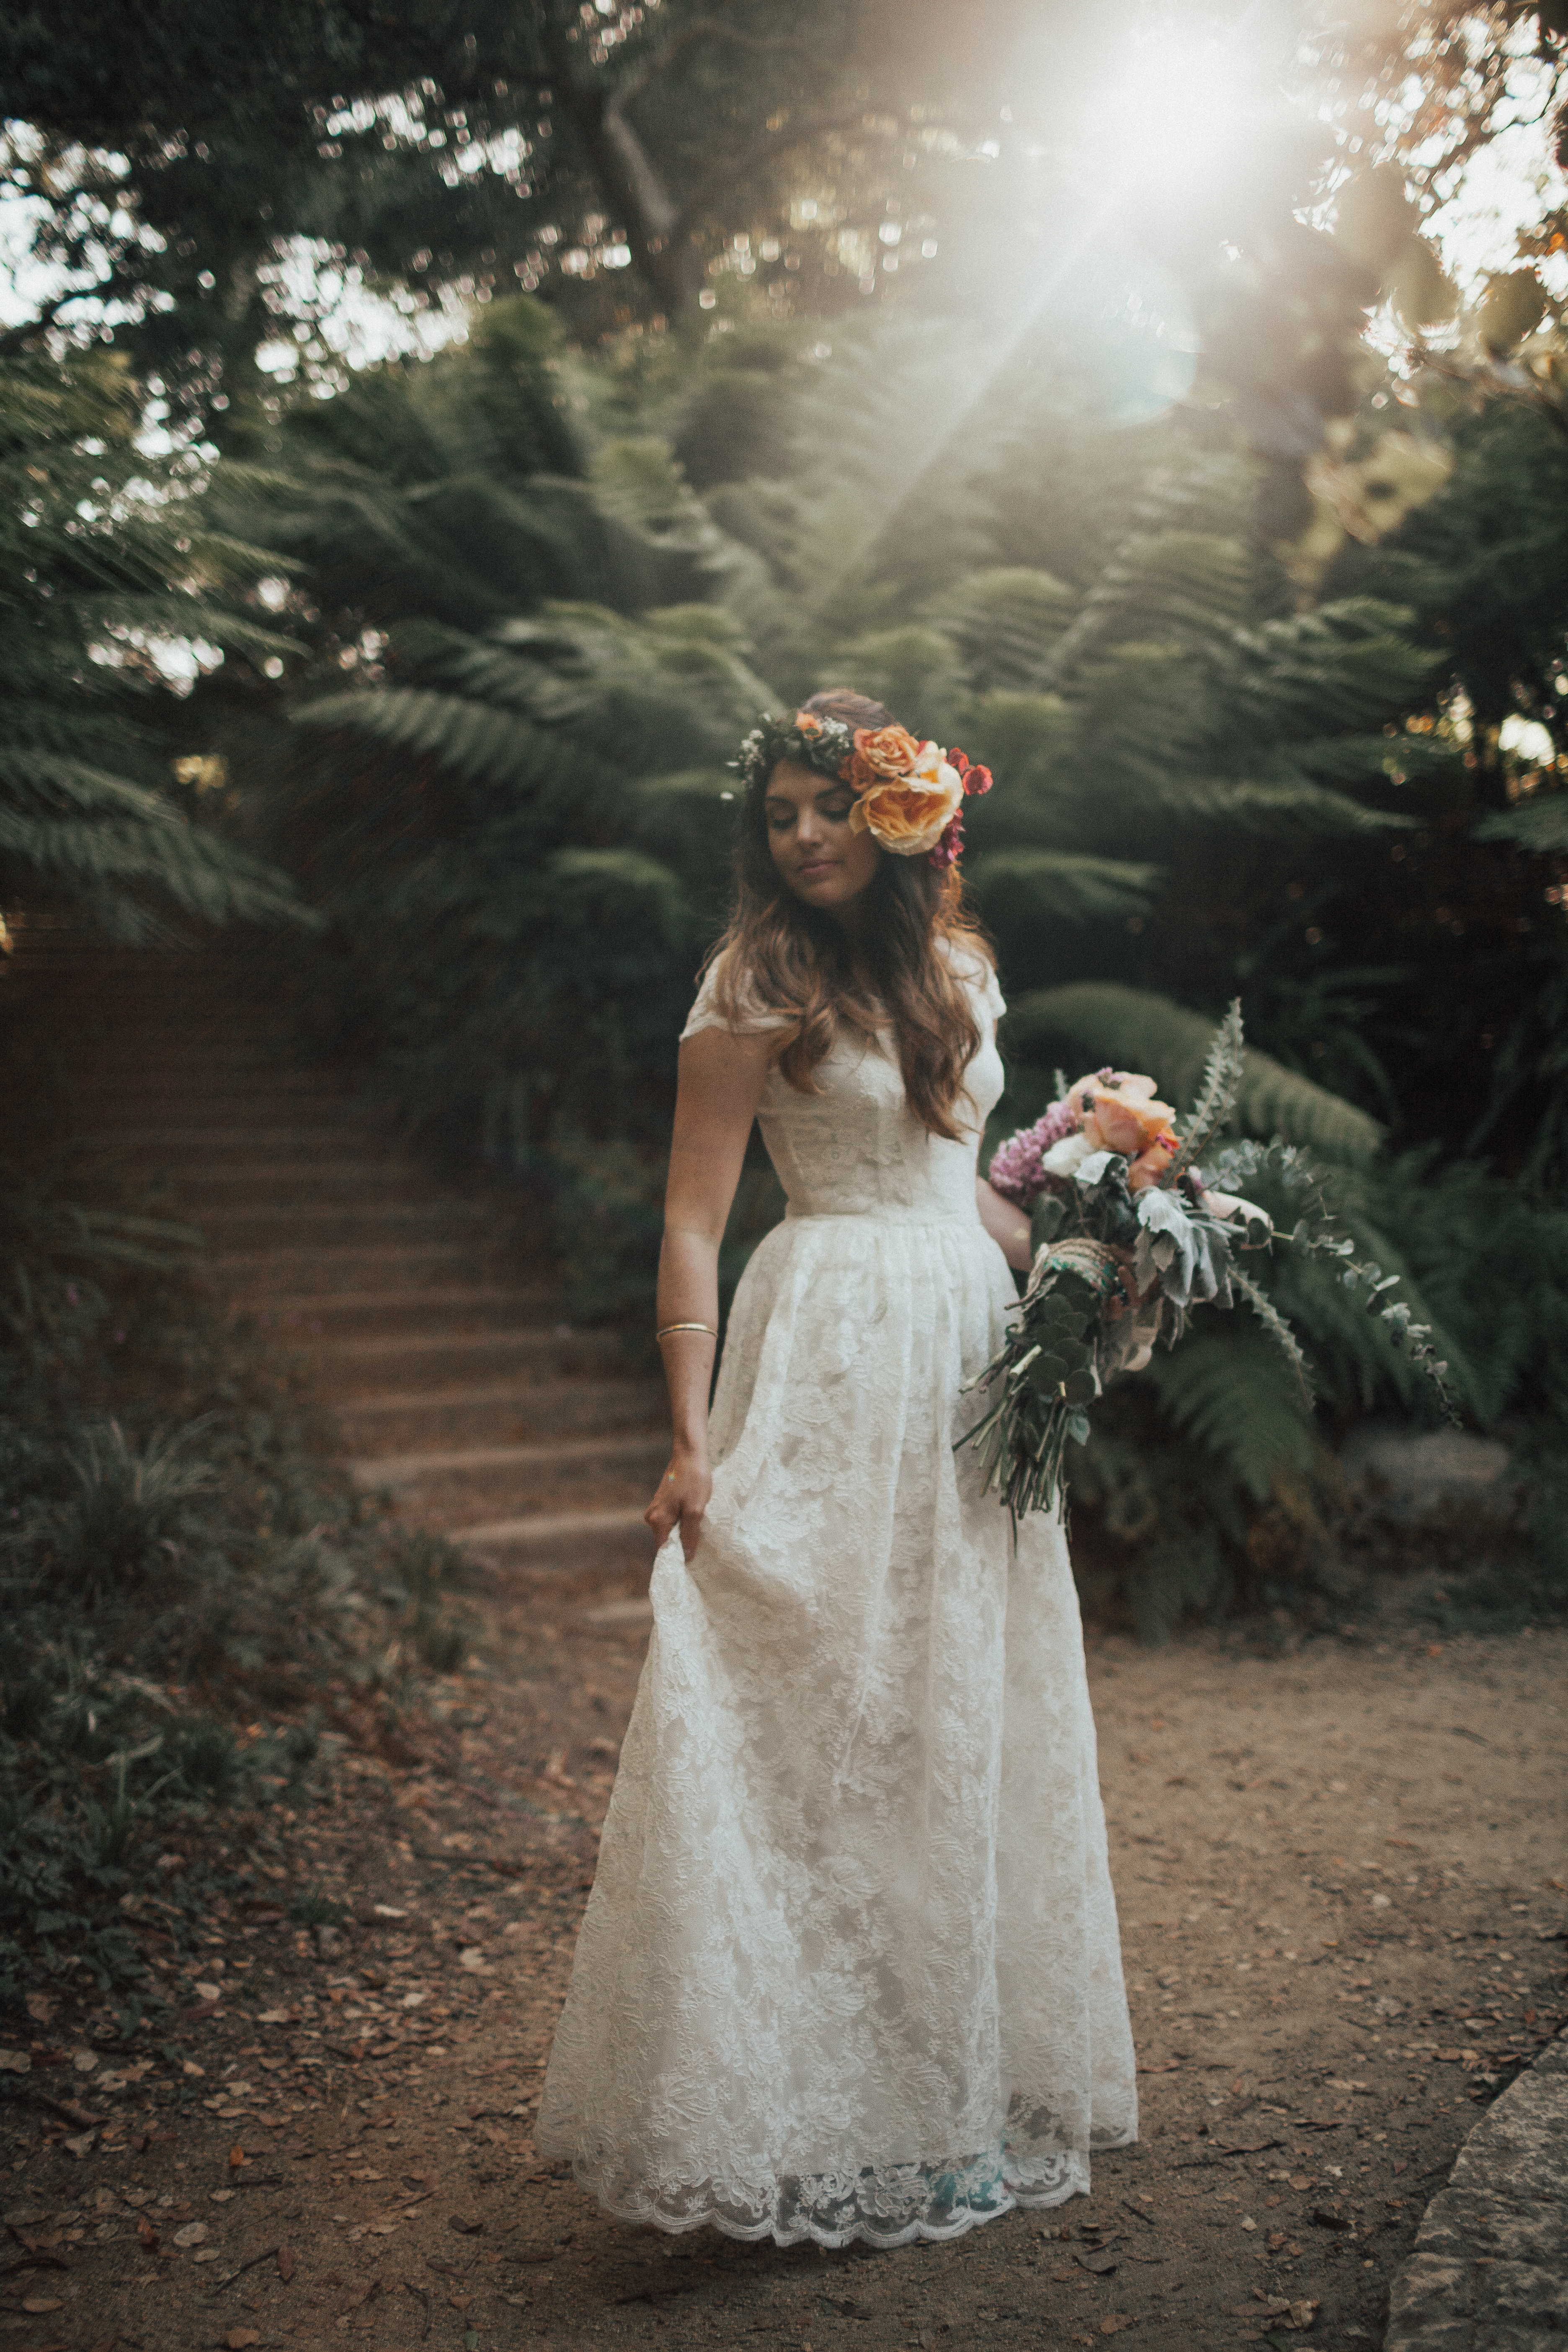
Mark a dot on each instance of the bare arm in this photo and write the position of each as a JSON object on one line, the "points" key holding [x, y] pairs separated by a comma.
{"points": [[721, 1084], [1007, 1225]]}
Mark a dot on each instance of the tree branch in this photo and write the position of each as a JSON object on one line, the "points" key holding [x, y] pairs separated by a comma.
{"points": [[712, 28], [733, 168]]}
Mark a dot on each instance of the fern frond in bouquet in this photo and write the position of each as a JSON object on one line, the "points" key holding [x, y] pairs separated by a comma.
{"points": [[1131, 1236]]}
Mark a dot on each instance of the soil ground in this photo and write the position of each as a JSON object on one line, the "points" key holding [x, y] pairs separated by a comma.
{"points": [[1342, 1875]]}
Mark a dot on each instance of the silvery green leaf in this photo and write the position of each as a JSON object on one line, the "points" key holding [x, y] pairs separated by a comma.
{"points": [[1089, 1172]]}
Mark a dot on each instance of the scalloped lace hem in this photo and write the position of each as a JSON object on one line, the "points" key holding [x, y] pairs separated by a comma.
{"points": [[884, 2206]]}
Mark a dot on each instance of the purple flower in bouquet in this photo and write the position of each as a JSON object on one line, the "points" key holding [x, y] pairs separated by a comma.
{"points": [[1017, 1168]]}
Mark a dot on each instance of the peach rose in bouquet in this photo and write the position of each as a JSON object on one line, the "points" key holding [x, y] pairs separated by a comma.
{"points": [[1123, 1114]]}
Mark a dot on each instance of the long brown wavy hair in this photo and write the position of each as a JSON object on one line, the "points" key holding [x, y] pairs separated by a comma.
{"points": [[783, 954]]}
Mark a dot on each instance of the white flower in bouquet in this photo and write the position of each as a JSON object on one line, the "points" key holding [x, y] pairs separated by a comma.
{"points": [[1065, 1158]]}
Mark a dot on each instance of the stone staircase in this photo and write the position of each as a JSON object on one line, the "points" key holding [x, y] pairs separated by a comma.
{"points": [[462, 1394]]}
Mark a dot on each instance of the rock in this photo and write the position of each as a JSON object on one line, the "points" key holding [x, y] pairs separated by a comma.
{"points": [[1422, 1469], [1489, 2267]]}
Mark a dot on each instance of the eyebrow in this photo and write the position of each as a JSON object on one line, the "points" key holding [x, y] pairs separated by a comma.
{"points": [[834, 784]]}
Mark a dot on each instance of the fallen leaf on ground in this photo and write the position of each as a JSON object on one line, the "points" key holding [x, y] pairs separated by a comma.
{"points": [[239, 2338], [14, 2061], [1115, 2321], [194, 2233], [465, 2229], [286, 2263], [39, 2302]]}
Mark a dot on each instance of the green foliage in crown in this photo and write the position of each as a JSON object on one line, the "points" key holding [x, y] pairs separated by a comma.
{"points": [[825, 744]]}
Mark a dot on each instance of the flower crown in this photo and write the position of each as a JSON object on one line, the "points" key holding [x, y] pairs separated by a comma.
{"points": [[910, 795]]}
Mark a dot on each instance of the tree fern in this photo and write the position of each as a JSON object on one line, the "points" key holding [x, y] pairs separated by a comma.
{"points": [[108, 562]]}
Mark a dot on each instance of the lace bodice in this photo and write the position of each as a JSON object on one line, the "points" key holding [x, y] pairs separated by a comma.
{"points": [[855, 1149]]}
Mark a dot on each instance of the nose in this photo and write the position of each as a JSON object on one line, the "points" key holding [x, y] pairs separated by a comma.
{"points": [[810, 831]]}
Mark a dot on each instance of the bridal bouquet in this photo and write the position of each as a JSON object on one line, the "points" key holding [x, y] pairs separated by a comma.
{"points": [[1130, 1235]]}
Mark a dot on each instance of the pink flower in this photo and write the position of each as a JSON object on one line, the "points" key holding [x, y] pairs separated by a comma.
{"points": [[1018, 1169]]}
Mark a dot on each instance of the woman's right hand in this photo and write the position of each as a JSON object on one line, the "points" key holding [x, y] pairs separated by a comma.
{"points": [[681, 1499]]}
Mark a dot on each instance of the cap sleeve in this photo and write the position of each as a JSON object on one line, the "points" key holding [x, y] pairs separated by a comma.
{"points": [[979, 975], [750, 1018]]}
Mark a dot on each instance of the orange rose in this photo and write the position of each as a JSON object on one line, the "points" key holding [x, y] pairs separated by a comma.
{"points": [[1123, 1116], [1152, 1161], [910, 812], [881, 752], [807, 722]]}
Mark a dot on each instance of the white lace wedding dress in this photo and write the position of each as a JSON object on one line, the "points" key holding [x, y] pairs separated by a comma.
{"points": [[850, 1965]]}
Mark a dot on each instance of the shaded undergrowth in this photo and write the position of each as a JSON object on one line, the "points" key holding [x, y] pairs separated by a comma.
{"points": [[200, 1614]]}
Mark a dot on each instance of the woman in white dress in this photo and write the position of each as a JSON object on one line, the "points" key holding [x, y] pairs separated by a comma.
{"points": [[850, 1965]]}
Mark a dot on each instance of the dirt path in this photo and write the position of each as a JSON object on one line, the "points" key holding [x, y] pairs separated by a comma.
{"points": [[1341, 1877]]}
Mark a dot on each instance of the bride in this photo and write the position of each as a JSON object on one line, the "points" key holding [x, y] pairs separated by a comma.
{"points": [[850, 1965]]}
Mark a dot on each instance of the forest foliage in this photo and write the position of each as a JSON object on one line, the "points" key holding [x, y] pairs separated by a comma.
{"points": [[505, 785]]}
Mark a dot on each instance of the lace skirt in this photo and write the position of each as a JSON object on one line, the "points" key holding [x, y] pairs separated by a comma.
{"points": [[850, 1965]]}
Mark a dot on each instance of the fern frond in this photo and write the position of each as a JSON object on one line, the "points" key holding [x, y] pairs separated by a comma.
{"points": [[1540, 825], [1258, 806], [481, 745], [1232, 1392], [1019, 888], [1223, 1073]]}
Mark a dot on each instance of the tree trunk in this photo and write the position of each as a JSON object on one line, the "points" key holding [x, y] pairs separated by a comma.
{"points": [[636, 193]]}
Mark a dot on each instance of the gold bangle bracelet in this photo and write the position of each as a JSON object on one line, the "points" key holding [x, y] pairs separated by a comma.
{"points": [[669, 1328]]}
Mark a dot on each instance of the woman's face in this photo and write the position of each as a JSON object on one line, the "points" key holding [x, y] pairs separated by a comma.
{"points": [[808, 832]]}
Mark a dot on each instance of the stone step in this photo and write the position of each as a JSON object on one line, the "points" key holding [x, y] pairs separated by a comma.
{"points": [[439, 1218], [349, 1369], [386, 1182], [469, 1482], [609, 1538], [186, 1106], [254, 1146], [256, 1277], [259, 1063], [391, 1314], [499, 1413]]}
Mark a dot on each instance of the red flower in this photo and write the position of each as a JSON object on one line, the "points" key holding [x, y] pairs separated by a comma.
{"points": [[976, 779]]}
